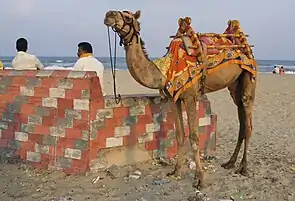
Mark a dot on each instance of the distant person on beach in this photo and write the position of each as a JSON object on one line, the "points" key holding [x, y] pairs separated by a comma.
{"points": [[276, 70], [87, 62], [24, 60], [282, 70]]}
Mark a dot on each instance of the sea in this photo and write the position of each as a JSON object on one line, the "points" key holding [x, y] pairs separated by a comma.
{"points": [[265, 66]]}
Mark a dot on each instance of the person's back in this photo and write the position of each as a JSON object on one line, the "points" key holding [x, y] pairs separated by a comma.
{"points": [[87, 62], [24, 60], [90, 63]]}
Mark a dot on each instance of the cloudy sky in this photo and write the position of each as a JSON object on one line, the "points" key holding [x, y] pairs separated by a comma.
{"points": [[54, 27]]}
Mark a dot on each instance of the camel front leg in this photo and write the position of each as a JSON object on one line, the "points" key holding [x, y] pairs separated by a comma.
{"points": [[190, 104], [177, 112]]}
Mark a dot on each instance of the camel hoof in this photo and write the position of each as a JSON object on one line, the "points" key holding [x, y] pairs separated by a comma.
{"points": [[242, 170], [228, 165], [175, 175], [198, 184]]}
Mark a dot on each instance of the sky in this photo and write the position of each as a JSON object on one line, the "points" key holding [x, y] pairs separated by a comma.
{"points": [[55, 27]]}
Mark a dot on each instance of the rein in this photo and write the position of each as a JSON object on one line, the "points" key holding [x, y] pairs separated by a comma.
{"points": [[114, 59], [113, 66]]}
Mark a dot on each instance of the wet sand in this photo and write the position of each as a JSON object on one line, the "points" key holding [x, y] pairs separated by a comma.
{"points": [[271, 158]]}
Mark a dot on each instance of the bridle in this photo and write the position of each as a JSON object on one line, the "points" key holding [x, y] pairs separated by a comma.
{"points": [[122, 38], [131, 28]]}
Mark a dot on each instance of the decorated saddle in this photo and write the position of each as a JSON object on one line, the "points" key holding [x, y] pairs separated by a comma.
{"points": [[184, 62]]}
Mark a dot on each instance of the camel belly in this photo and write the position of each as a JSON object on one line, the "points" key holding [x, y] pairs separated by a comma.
{"points": [[222, 78]]}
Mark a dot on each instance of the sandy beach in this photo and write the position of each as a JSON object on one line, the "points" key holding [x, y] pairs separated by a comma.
{"points": [[271, 157]]}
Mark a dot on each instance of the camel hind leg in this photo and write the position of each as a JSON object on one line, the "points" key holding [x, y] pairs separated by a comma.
{"points": [[243, 93], [236, 94], [248, 97]]}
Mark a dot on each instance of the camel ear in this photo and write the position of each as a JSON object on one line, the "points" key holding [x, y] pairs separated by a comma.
{"points": [[137, 15], [180, 20], [188, 20]]}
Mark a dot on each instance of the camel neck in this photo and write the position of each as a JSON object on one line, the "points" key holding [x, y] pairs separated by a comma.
{"points": [[143, 70]]}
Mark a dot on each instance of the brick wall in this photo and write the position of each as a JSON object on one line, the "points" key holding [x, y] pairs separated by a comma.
{"points": [[59, 120]]}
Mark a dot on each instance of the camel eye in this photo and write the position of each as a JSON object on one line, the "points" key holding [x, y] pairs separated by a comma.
{"points": [[128, 19]]}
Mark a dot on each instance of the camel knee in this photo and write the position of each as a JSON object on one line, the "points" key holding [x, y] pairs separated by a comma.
{"points": [[194, 140], [246, 100]]}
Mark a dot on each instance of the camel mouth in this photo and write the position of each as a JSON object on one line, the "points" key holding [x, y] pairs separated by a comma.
{"points": [[109, 24]]}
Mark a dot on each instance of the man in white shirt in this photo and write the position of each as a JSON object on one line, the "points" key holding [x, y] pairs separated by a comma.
{"points": [[24, 60], [87, 62]]}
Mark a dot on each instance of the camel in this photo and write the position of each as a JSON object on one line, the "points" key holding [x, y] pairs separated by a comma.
{"points": [[238, 81]]}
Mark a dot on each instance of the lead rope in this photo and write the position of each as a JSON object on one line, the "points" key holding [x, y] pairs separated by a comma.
{"points": [[204, 71], [113, 66]]}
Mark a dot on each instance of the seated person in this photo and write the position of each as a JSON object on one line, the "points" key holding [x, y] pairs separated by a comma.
{"points": [[24, 60], [87, 62]]}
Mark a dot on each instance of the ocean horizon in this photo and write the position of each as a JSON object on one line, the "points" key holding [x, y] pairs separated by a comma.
{"points": [[56, 62]]}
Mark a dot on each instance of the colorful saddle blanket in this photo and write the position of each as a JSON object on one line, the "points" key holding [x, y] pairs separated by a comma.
{"points": [[183, 70]]}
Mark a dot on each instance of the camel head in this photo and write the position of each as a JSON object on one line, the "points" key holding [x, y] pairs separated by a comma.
{"points": [[183, 23], [124, 23]]}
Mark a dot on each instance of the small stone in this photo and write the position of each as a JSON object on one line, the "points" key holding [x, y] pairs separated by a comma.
{"points": [[134, 176], [160, 181], [137, 172], [163, 162], [62, 199]]}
